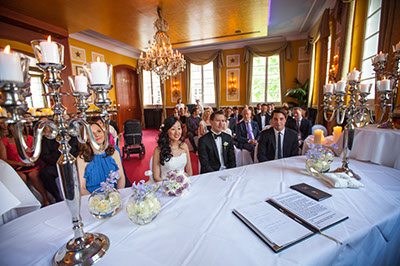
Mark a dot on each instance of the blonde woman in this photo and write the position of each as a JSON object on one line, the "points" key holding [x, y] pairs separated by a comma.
{"points": [[205, 124]]}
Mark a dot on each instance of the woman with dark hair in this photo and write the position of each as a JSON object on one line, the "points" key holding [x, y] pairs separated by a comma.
{"points": [[94, 167], [171, 153], [9, 154]]}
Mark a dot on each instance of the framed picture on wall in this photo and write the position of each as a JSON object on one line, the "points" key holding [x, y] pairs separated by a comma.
{"points": [[78, 54], [233, 60], [176, 88], [302, 53], [233, 84], [95, 55], [77, 69]]}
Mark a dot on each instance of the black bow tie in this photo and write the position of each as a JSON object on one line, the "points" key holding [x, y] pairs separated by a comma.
{"points": [[217, 136]]}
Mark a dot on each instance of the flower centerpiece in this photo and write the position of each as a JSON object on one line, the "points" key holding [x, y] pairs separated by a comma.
{"points": [[177, 183], [143, 206], [105, 201], [319, 158]]}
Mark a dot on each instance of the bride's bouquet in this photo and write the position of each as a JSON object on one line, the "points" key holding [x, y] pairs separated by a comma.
{"points": [[177, 183]]}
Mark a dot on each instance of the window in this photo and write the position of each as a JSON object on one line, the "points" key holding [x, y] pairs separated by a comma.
{"points": [[371, 43], [36, 100], [202, 83], [266, 82], [151, 88]]}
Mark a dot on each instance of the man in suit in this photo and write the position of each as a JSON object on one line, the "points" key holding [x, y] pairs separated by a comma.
{"points": [[247, 133], [230, 120], [277, 142], [262, 118], [193, 122], [299, 124], [238, 117], [216, 150]]}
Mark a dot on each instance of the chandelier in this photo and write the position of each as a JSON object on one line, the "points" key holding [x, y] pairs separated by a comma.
{"points": [[160, 58]]}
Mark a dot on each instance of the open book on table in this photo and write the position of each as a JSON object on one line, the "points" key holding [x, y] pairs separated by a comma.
{"points": [[287, 219]]}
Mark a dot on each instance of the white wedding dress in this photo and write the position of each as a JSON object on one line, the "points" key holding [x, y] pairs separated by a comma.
{"points": [[175, 163]]}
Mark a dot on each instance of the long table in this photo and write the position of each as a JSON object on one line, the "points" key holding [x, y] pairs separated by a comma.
{"points": [[200, 229]]}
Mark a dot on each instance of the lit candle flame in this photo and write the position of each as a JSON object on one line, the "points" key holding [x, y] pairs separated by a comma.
{"points": [[49, 38], [7, 49], [98, 59]]}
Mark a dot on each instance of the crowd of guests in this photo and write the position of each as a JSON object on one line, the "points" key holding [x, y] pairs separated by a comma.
{"points": [[93, 167], [216, 135]]}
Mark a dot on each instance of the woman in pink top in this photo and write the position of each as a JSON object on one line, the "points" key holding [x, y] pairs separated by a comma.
{"points": [[9, 154]]}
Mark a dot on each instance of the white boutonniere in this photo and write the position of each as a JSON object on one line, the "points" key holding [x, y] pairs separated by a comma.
{"points": [[225, 144]]}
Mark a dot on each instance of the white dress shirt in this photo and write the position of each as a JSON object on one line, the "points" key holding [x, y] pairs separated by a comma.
{"points": [[218, 142], [180, 105], [276, 141]]}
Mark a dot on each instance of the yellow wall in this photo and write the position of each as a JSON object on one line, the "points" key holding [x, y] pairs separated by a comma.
{"points": [[16, 46], [109, 57], [291, 69]]}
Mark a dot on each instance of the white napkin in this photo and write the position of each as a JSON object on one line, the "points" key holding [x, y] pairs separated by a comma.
{"points": [[341, 180]]}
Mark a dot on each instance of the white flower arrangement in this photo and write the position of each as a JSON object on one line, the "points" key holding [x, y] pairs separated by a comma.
{"points": [[143, 206], [319, 159], [105, 201], [177, 183]]}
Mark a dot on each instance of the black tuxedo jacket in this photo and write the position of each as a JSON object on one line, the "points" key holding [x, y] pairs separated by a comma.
{"points": [[257, 118], [267, 145], [208, 153], [241, 133], [232, 124], [239, 117], [305, 127]]}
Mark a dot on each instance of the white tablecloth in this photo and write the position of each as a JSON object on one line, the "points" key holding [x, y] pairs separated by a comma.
{"points": [[200, 229], [377, 145]]}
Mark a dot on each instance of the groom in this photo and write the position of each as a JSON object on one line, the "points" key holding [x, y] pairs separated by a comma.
{"points": [[216, 150]]}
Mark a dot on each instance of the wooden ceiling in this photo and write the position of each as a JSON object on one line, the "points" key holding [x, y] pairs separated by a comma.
{"points": [[131, 21], [191, 22]]}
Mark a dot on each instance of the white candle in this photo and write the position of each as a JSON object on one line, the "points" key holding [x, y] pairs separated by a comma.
{"points": [[354, 75], [10, 66], [329, 88], [384, 85], [99, 72], [49, 51], [3, 112], [318, 135], [81, 83], [340, 86], [364, 88], [380, 57]]}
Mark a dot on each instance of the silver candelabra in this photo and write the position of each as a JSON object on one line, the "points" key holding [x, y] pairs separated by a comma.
{"points": [[354, 113], [387, 96], [83, 248]]}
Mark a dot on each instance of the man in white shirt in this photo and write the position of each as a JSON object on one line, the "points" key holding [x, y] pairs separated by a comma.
{"points": [[263, 118], [198, 104], [216, 150], [277, 142]]}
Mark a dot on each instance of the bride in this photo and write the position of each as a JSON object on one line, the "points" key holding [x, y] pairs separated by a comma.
{"points": [[171, 153]]}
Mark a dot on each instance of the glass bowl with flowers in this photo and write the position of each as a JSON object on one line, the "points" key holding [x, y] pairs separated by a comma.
{"points": [[319, 159], [176, 183], [143, 206], [105, 201]]}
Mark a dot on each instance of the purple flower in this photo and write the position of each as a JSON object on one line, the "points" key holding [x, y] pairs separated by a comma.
{"points": [[179, 191], [159, 192], [185, 186], [334, 146], [179, 179], [170, 194]]}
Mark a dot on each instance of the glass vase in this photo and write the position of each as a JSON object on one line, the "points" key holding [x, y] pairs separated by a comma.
{"points": [[143, 211], [104, 204], [320, 163]]}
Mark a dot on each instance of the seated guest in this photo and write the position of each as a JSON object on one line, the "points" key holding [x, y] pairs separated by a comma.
{"points": [[262, 118], [247, 133], [175, 112], [28, 126], [230, 120], [171, 153], [238, 117], [94, 167], [198, 105], [205, 124], [113, 136], [192, 126], [179, 104], [277, 142], [49, 157], [9, 154], [258, 110], [299, 124], [216, 150], [182, 115]]}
